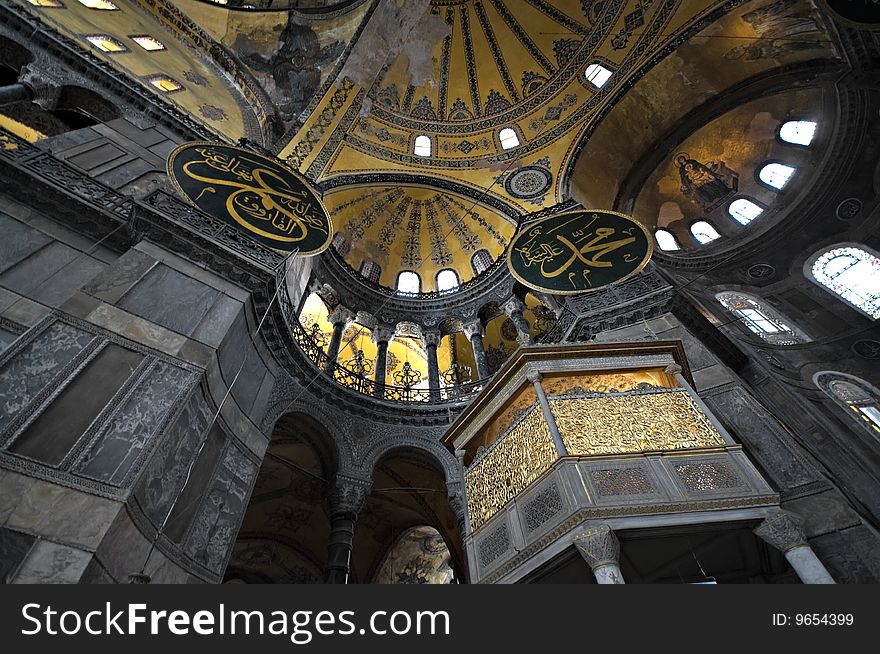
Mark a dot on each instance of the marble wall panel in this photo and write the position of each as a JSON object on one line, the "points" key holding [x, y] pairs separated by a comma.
{"points": [[163, 477], [113, 454], [14, 547], [170, 298], [216, 525], [19, 241], [28, 372]]}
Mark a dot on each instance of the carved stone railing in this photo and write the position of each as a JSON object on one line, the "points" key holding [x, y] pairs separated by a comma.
{"points": [[354, 381]]}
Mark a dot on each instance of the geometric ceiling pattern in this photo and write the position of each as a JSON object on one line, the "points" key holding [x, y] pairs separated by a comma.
{"points": [[402, 227]]}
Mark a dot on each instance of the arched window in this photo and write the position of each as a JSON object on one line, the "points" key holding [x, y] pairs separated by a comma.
{"points": [[597, 75], [761, 319], [744, 211], [106, 43], [371, 270], [508, 138], [340, 243], [850, 272], [447, 280], [666, 241], [860, 400], [798, 132], [422, 146], [704, 232], [775, 175], [481, 261], [409, 282]]}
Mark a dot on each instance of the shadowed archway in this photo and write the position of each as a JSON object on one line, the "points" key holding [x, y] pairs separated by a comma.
{"points": [[283, 537]]}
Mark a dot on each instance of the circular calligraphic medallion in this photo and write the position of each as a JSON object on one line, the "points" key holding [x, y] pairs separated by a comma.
{"points": [[270, 203], [579, 251]]}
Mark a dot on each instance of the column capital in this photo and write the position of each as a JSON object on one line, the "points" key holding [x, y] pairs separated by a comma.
{"points": [[44, 83], [598, 545], [534, 376], [383, 333], [473, 328], [783, 530], [672, 369], [514, 305], [431, 337], [347, 495], [341, 314]]}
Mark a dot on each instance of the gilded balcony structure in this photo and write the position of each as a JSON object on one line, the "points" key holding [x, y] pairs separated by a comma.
{"points": [[565, 438]]}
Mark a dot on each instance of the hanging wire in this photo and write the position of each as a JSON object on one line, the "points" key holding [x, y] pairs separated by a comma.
{"points": [[207, 432]]}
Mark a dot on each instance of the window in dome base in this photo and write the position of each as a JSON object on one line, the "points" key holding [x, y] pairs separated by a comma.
{"points": [[102, 5], [775, 175], [447, 280], [666, 241], [409, 282], [704, 232], [798, 132], [422, 146], [147, 42], [744, 211], [106, 43], [508, 138], [597, 75]]}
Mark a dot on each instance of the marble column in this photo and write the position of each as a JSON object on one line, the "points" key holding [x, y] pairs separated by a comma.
{"points": [[340, 318], [784, 531], [475, 332], [382, 334], [345, 501], [535, 377], [514, 308], [601, 549], [12, 93], [432, 341]]}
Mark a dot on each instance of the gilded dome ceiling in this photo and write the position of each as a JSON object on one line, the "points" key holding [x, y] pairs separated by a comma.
{"points": [[434, 126], [418, 228]]}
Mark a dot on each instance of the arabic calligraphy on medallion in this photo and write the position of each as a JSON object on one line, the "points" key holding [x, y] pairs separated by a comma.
{"points": [[274, 205], [579, 251]]}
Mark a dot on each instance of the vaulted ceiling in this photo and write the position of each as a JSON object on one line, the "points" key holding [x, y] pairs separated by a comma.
{"points": [[342, 91]]}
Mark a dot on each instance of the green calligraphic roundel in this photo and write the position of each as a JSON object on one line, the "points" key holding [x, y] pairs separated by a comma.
{"points": [[579, 251], [270, 203]]}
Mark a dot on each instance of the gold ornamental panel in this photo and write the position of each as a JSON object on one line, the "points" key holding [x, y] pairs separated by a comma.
{"points": [[515, 461], [625, 424]]}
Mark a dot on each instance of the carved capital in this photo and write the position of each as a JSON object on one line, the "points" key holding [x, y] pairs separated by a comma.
{"points": [[383, 333], [472, 328], [783, 530], [341, 315], [44, 83], [513, 305], [347, 495], [672, 369], [598, 545], [431, 337], [534, 376]]}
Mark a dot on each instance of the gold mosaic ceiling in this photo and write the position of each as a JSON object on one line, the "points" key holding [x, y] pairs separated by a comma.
{"points": [[456, 71], [415, 228]]}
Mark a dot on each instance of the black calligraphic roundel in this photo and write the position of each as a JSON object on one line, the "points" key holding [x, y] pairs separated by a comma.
{"points": [[270, 203], [579, 251]]}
